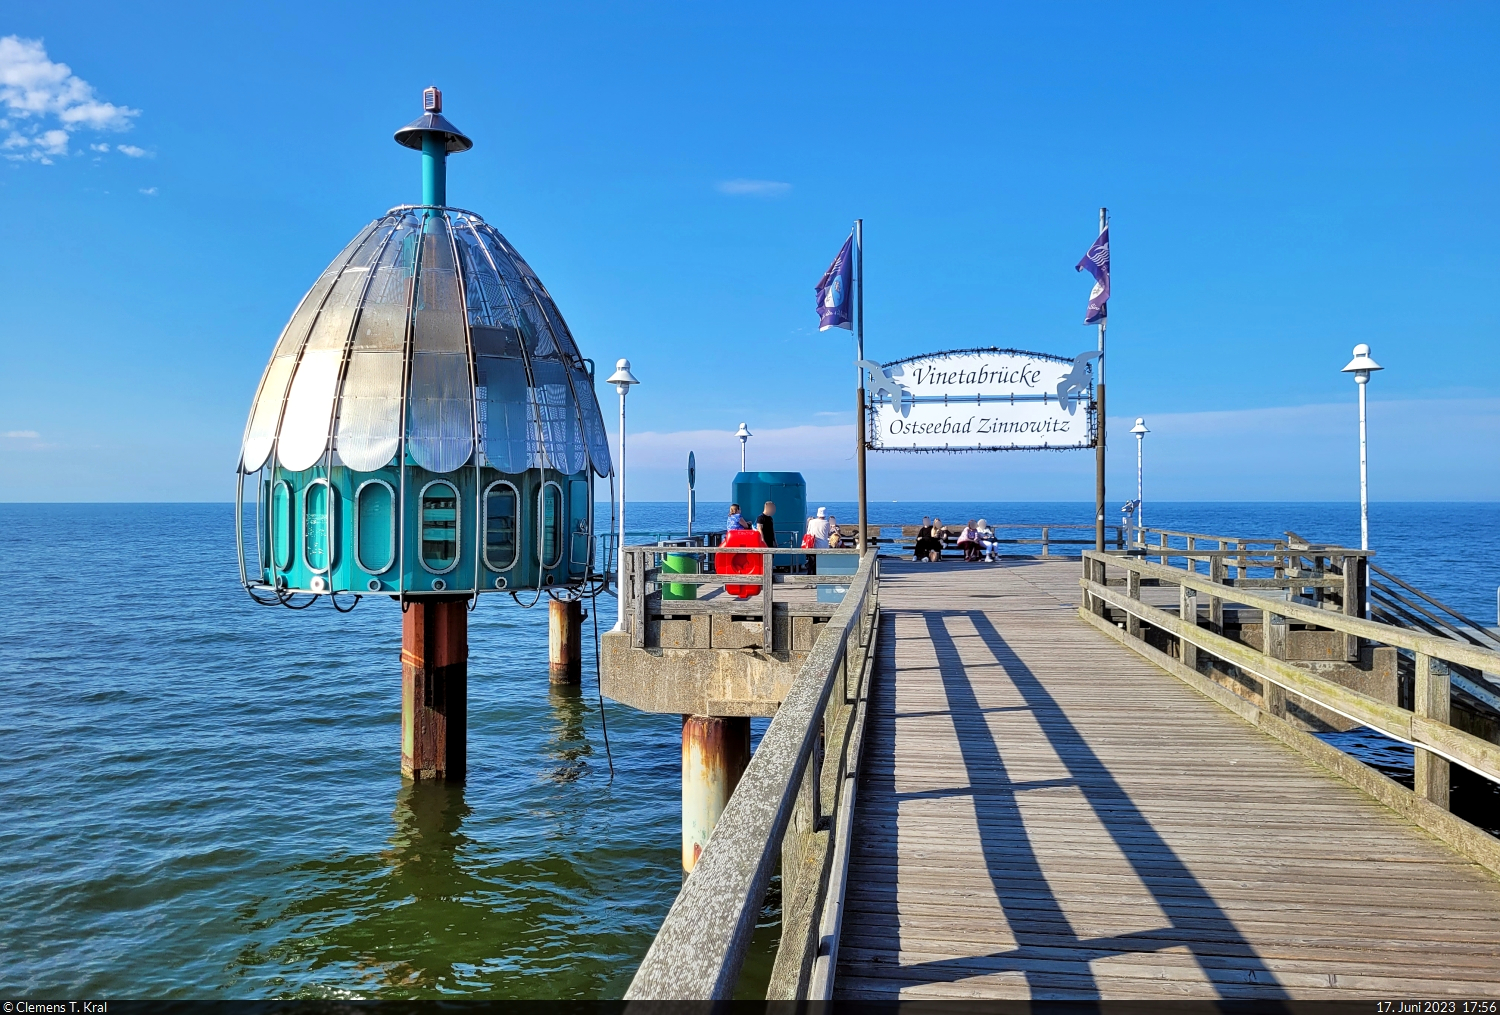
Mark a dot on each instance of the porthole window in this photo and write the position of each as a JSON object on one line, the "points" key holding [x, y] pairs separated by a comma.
{"points": [[500, 504], [552, 524], [375, 526], [317, 525], [439, 523], [281, 525], [580, 527]]}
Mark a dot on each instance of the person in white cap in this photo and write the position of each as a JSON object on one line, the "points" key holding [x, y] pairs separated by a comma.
{"points": [[817, 527]]}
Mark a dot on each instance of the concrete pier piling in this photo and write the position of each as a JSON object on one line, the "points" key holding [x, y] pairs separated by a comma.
{"points": [[435, 688], [715, 751], [564, 637]]}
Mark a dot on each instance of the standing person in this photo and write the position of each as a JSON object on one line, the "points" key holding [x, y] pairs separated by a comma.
{"points": [[817, 527], [766, 523], [924, 533]]}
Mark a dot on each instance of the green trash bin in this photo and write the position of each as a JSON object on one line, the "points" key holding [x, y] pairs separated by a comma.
{"points": [[679, 563]]}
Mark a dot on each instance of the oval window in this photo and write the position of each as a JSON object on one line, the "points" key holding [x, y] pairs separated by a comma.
{"points": [[439, 527], [317, 510], [375, 526], [500, 503], [579, 522], [552, 525], [281, 524]]}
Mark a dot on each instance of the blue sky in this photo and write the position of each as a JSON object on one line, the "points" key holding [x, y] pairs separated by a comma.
{"points": [[1284, 181]]}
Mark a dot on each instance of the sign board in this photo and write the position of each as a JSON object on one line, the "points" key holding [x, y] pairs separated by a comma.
{"points": [[982, 400]]}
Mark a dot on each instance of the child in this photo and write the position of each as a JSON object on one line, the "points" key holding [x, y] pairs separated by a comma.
{"points": [[736, 520]]}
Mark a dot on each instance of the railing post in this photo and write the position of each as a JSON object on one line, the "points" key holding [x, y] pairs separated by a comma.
{"points": [[1162, 557], [1187, 611], [1189, 562], [1273, 642], [1354, 602], [1133, 590], [1430, 699], [638, 569], [1046, 536], [1215, 604], [767, 584]]}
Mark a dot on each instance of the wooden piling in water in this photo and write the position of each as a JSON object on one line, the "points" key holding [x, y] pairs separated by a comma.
{"points": [[564, 637], [435, 688], [715, 751]]}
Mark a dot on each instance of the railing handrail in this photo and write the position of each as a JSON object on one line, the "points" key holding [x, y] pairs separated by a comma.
{"points": [[700, 947], [1412, 727], [1205, 535], [1446, 649], [640, 549]]}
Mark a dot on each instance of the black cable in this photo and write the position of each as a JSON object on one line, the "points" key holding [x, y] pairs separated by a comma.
{"points": [[333, 597], [288, 602], [599, 685], [250, 590]]}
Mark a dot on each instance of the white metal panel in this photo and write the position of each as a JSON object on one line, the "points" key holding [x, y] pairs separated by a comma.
{"points": [[440, 396], [368, 434], [265, 413], [306, 424]]}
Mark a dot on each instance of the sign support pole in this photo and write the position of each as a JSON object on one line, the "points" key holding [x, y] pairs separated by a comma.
{"points": [[859, 340], [1099, 422]]}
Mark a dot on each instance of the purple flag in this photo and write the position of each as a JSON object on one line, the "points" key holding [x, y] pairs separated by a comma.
{"points": [[835, 308], [1097, 263]]}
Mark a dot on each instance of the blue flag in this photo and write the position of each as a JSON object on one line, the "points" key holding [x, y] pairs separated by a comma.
{"points": [[1097, 263], [835, 307]]}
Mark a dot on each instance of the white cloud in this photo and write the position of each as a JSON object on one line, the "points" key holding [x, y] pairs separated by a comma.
{"points": [[149, 191], [99, 147], [37, 94], [30, 435], [131, 150], [37, 146], [753, 188]]}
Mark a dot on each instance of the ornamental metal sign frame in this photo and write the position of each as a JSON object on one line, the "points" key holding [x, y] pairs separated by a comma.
{"points": [[982, 399]]}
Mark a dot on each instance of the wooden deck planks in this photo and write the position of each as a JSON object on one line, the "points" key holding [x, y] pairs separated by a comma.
{"points": [[1044, 814]]}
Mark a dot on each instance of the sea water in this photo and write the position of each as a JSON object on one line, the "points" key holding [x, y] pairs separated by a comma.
{"points": [[203, 795]]}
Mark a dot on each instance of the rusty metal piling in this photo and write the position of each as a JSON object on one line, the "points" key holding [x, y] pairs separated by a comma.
{"points": [[435, 688], [715, 751], [564, 637]]}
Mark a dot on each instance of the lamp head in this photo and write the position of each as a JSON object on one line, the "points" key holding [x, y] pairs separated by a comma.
{"points": [[1361, 366], [1140, 428], [744, 432], [622, 378]]}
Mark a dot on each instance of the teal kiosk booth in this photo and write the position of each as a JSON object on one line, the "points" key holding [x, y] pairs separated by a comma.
{"points": [[788, 491]]}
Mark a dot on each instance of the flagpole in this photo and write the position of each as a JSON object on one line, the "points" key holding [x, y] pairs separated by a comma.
{"points": [[1099, 422], [859, 341]]}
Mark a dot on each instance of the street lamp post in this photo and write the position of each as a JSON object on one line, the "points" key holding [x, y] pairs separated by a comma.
{"points": [[1362, 366], [744, 435], [622, 379], [1140, 430]]}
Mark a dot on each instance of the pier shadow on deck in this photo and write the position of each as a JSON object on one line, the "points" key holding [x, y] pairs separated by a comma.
{"points": [[1005, 844]]}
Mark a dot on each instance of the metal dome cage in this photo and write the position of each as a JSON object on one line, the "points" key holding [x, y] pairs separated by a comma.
{"points": [[426, 424]]}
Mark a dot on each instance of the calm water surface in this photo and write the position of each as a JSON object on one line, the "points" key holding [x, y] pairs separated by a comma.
{"points": [[205, 798]]}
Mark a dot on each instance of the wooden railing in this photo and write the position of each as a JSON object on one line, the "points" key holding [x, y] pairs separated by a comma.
{"points": [[1425, 726], [643, 576], [794, 804]]}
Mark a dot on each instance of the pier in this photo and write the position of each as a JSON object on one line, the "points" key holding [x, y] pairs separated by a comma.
{"points": [[1100, 778]]}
